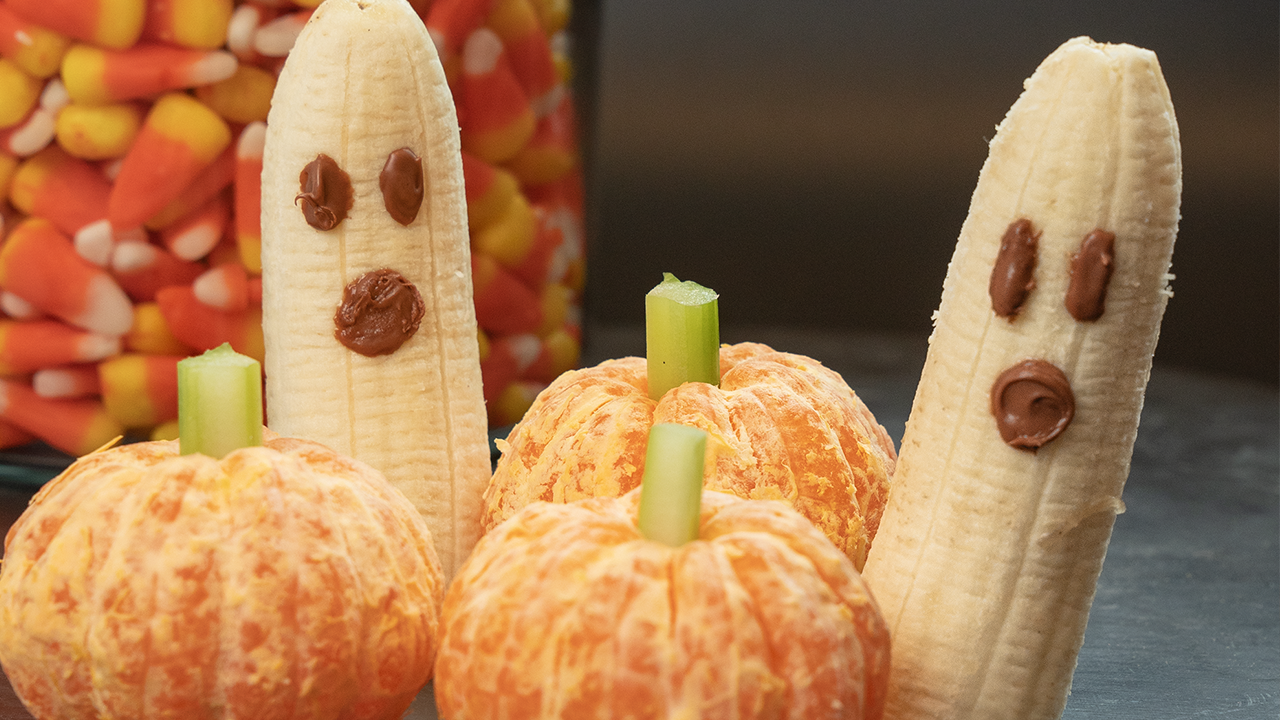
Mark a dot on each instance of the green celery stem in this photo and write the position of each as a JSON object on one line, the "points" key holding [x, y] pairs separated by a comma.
{"points": [[671, 490], [682, 335], [219, 402]]}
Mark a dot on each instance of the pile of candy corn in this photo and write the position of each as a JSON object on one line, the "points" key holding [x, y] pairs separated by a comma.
{"points": [[131, 135]]}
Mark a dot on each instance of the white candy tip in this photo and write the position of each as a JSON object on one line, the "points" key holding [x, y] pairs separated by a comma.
{"points": [[130, 256], [214, 67], [196, 242], [108, 309], [481, 52], [94, 242]]}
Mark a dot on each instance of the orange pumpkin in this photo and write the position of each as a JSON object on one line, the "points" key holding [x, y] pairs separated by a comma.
{"points": [[565, 611], [781, 427], [284, 581]]}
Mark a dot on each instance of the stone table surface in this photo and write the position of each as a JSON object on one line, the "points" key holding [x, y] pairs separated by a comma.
{"points": [[1186, 621]]}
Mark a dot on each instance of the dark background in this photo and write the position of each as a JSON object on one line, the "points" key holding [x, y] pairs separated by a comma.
{"points": [[813, 161]]}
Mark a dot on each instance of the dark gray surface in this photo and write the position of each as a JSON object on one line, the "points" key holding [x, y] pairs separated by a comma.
{"points": [[1186, 623]]}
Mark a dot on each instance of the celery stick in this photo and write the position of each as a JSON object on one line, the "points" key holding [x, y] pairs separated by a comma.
{"points": [[671, 490], [219, 402], [682, 335]]}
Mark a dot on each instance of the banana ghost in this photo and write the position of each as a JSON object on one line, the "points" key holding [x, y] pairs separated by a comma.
{"points": [[368, 318], [1022, 430]]}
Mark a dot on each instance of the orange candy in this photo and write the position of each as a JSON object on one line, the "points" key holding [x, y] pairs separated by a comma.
{"points": [[65, 190], [141, 391], [180, 138], [35, 49], [204, 327], [98, 132], [248, 195], [494, 113], [19, 92], [94, 75], [199, 24], [29, 345], [76, 426], [110, 23], [40, 264]]}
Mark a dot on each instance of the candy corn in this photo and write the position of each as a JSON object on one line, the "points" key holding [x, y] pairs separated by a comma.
{"points": [[150, 333], [516, 23], [494, 113], [489, 190], [225, 287], [75, 427], [451, 22], [200, 24], [98, 132], [244, 97], [95, 75], [72, 381], [557, 355], [65, 190], [33, 48], [140, 391], [17, 308], [504, 305], [31, 135], [551, 152], [96, 242], [248, 195], [509, 237], [127, 150], [39, 263], [109, 23], [204, 327], [29, 345], [179, 139], [243, 26], [194, 235], [534, 269], [212, 180], [276, 37], [19, 92], [143, 269]]}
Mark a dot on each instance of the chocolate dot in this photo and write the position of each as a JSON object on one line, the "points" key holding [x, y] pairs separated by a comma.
{"points": [[401, 183], [1032, 403], [380, 310], [326, 195], [1013, 276]]}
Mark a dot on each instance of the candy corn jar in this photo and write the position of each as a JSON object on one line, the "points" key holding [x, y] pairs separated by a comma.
{"points": [[131, 136]]}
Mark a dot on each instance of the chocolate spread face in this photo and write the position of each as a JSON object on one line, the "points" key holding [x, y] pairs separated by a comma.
{"points": [[401, 184], [380, 310], [1013, 277], [1091, 269], [1032, 403], [326, 194]]}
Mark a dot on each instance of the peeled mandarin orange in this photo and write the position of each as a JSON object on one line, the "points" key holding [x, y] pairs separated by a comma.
{"points": [[782, 426], [566, 611], [284, 581]]}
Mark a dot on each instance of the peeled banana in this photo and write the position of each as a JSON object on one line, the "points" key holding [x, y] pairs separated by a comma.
{"points": [[1022, 429], [368, 319]]}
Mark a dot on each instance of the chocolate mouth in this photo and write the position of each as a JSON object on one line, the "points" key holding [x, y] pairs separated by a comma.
{"points": [[1032, 403], [380, 311]]}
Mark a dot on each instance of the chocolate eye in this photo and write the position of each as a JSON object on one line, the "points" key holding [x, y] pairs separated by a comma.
{"points": [[1013, 277], [326, 195], [401, 183], [1091, 269]]}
